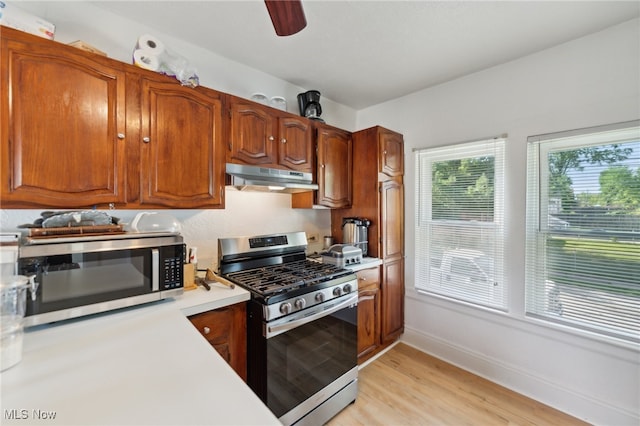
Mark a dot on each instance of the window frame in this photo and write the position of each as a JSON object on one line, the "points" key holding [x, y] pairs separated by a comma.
{"points": [[489, 147], [539, 297]]}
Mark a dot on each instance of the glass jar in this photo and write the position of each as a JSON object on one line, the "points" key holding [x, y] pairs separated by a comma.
{"points": [[12, 310]]}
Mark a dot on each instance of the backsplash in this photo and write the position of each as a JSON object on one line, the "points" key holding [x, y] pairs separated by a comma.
{"points": [[246, 213]]}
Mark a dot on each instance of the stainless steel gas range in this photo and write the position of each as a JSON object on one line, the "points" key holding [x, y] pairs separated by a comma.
{"points": [[301, 326]]}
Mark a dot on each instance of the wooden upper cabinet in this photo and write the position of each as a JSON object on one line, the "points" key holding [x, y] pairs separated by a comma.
{"points": [[82, 130], [295, 144], [63, 126], [263, 136], [181, 164], [335, 165], [391, 153], [252, 134]]}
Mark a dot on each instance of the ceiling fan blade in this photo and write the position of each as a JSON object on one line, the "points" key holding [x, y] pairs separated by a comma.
{"points": [[287, 16]]}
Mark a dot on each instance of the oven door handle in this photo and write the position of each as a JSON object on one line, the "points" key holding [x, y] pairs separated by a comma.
{"points": [[274, 330]]}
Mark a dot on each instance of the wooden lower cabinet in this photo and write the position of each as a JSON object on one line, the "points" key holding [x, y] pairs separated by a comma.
{"points": [[392, 300], [226, 330], [368, 312]]}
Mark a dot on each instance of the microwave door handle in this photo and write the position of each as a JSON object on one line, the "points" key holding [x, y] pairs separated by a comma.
{"points": [[155, 269], [274, 330]]}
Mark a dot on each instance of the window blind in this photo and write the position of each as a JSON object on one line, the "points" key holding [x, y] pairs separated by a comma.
{"points": [[459, 224], [583, 230]]}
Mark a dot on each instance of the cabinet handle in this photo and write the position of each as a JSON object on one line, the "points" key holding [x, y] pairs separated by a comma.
{"points": [[271, 138], [120, 135], [206, 330], [362, 279], [322, 166], [384, 152], [284, 140], [146, 139]]}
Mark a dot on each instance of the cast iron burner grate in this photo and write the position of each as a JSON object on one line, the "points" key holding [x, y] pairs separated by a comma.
{"points": [[275, 279]]}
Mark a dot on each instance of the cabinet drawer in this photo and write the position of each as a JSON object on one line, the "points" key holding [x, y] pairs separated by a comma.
{"points": [[368, 277]]}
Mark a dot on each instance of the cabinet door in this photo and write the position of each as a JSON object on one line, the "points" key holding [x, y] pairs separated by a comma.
{"points": [[368, 312], [335, 160], [391, 219], [181, 152], [392, 299], [63, 122], [391, 153], [225, 329], [295, 143], [253, 140]]}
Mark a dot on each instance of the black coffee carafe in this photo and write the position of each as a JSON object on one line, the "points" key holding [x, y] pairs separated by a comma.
{"points": [[309, 103]]}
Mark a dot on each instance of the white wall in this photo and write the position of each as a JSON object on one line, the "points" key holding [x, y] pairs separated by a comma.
{"points": [[590, 81], [245, 213]]}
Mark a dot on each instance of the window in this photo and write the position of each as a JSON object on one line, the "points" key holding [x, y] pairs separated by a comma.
{"points": [[583, 229], [459, 222]]}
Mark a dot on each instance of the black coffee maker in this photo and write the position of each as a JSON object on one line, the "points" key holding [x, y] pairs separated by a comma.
{"points": [[309, 103]]}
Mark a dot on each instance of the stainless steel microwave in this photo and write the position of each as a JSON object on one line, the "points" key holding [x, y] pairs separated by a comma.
{"points": [[87, 275]]}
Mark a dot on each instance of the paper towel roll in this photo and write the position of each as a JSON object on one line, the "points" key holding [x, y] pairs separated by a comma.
{"points": [[146, 59], [150, 43]]}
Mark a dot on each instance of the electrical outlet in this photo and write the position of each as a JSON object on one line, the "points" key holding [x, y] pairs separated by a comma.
{"points": [[312, 238]]}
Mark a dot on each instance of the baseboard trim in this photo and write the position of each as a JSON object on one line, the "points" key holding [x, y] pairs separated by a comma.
{"points": [[378, 355], [519, 380]]}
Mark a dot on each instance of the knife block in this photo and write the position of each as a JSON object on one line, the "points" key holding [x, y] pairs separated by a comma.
{"points": [[189, 276]]}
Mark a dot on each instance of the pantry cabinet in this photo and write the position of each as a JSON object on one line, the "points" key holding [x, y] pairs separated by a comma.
{"points": [[226, 330], [263, 136], [81, 130], [378, 195], [63, 125]]}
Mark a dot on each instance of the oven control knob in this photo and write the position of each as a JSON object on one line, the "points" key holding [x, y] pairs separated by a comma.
{"points": [[337, 291], [285, 308], [299, 303], [347, 288], [320, 297]]}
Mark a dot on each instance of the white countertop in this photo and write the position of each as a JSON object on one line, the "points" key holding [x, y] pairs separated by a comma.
{"points": [[367, 262], [136, 366]]}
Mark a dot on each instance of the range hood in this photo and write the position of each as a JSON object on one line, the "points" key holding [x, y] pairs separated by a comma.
{"points": [[264, 179]]}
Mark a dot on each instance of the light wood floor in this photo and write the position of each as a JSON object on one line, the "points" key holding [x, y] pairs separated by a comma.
{"points": [[408, 387]]}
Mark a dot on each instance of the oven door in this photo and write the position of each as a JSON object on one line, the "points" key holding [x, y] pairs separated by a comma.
{"points": [[308, 357]]}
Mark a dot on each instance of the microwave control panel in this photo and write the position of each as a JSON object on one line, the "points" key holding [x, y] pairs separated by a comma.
{"points": [[172, 267]]}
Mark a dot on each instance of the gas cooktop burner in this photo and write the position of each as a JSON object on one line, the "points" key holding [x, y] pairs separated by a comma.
{"points": [[274, 279], [275, 269]]}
